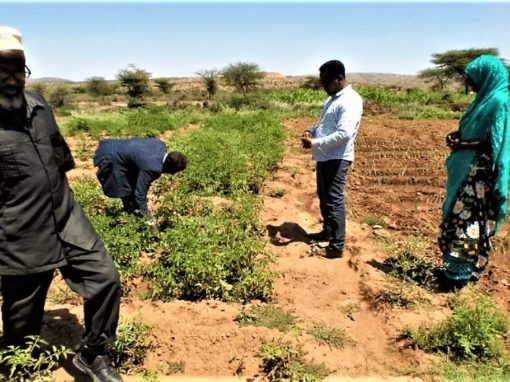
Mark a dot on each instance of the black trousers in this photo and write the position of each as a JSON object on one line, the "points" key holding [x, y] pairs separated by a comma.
{"points": [[331, 176], [90, 273]]}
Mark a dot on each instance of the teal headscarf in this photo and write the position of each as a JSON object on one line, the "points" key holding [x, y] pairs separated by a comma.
{"points": [[486, 119]]}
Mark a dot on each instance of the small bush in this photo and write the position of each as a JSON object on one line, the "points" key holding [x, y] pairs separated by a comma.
{"points": [[174, 367], [34, 361], [413, 269], [278, 192], [131, 346], [408, 263], [328, 336], [472, 332], [372, 220], [60, 96], [282, 362], [269, 316]]}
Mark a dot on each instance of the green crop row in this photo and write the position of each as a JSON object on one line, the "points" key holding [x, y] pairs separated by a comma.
{"points": [[150, 121], [207, 242]]}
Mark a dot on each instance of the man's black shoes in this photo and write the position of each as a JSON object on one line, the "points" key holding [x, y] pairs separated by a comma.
{"points": [[319, 236], [100, 369], [327, 253]]}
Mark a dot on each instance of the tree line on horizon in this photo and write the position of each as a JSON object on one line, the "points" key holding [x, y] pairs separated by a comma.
{"points": [[450, 65]]}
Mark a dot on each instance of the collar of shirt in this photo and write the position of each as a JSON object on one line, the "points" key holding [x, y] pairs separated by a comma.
{"points": [[32, 104], [344, 89], [164, 158]]}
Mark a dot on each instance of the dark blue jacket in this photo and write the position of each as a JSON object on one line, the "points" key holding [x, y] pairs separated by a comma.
{"points": [[129, 166]]}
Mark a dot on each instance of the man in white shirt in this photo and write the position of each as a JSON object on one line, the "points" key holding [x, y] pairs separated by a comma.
{"points": [[332, 144]]}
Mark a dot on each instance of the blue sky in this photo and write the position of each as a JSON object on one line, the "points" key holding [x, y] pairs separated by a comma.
{"points": [[80, 40]]}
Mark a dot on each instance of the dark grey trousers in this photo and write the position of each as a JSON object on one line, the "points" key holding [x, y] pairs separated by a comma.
{"points": [[331, 176], [90, 273]]}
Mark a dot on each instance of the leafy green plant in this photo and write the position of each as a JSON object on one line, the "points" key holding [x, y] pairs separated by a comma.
{"points": [[268, 316], [408, 263], [283, 362], [413, 269], [83, 150], [149, 376], [131, 346], [332, 337], [277, 192], [351, 309], [174, 367], [372, 220], [224, 258], [34, 361], [494, 370], [61, 295], [472, 332]]}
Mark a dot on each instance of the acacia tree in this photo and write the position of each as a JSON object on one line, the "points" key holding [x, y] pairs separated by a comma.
{"points": [[210, 80], [98, 86], [451, 64], [135, 80], [243, 76], [164, 85]]}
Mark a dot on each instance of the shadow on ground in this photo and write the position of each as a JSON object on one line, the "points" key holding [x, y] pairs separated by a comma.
{"points": [[287, 233]]}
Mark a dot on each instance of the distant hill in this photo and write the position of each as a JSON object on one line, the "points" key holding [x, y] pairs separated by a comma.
{"points": [[51, 79], [278, 80]]}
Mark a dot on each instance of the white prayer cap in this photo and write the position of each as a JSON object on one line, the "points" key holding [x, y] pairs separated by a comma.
{"points": [[10, 39]]}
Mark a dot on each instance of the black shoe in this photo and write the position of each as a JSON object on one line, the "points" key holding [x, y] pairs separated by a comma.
{"points": [[319, 236], [100, 369], [334, 253], [446, 284], [328, 253]]}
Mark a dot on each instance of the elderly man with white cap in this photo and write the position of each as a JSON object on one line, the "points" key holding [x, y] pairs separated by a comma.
{"points": [[42, 228]]}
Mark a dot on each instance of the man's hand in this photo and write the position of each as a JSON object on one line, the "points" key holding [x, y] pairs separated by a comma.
{"points": [[306, 139]]}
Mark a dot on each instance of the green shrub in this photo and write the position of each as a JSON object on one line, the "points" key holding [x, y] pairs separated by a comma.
{"points": [[332, 337], [268, 316], [472, 332], [126, 237], [372, 220], [408, 263], [411, 268], [223, 258], [197, 249], [34, 361], [277, 192], [233, 153], [282, 362], [148, 121], [131, 346]]}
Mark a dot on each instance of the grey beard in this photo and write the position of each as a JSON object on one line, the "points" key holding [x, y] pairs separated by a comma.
{"points": [[11, 103]]}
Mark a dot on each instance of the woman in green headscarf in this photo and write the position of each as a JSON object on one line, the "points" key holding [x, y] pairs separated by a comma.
{"points": [[477, 185]]}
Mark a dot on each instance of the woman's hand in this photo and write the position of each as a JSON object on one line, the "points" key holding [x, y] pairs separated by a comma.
{"points": [[453, 140]]}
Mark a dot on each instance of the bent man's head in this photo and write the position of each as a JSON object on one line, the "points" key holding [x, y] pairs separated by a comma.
{"points": [[174, 162], [13, 72]]}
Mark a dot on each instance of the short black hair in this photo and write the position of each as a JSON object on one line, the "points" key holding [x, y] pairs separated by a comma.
{"points": [[174, 162], [334, 68]]}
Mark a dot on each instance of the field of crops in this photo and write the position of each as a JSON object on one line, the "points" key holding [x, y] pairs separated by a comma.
{"points": [[224, 283]]}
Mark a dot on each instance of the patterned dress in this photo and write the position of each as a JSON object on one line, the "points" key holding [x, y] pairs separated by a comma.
{"points": [[465, 234]]}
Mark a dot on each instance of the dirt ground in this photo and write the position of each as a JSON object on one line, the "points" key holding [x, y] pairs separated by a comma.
{"points": [[398, 174]]}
